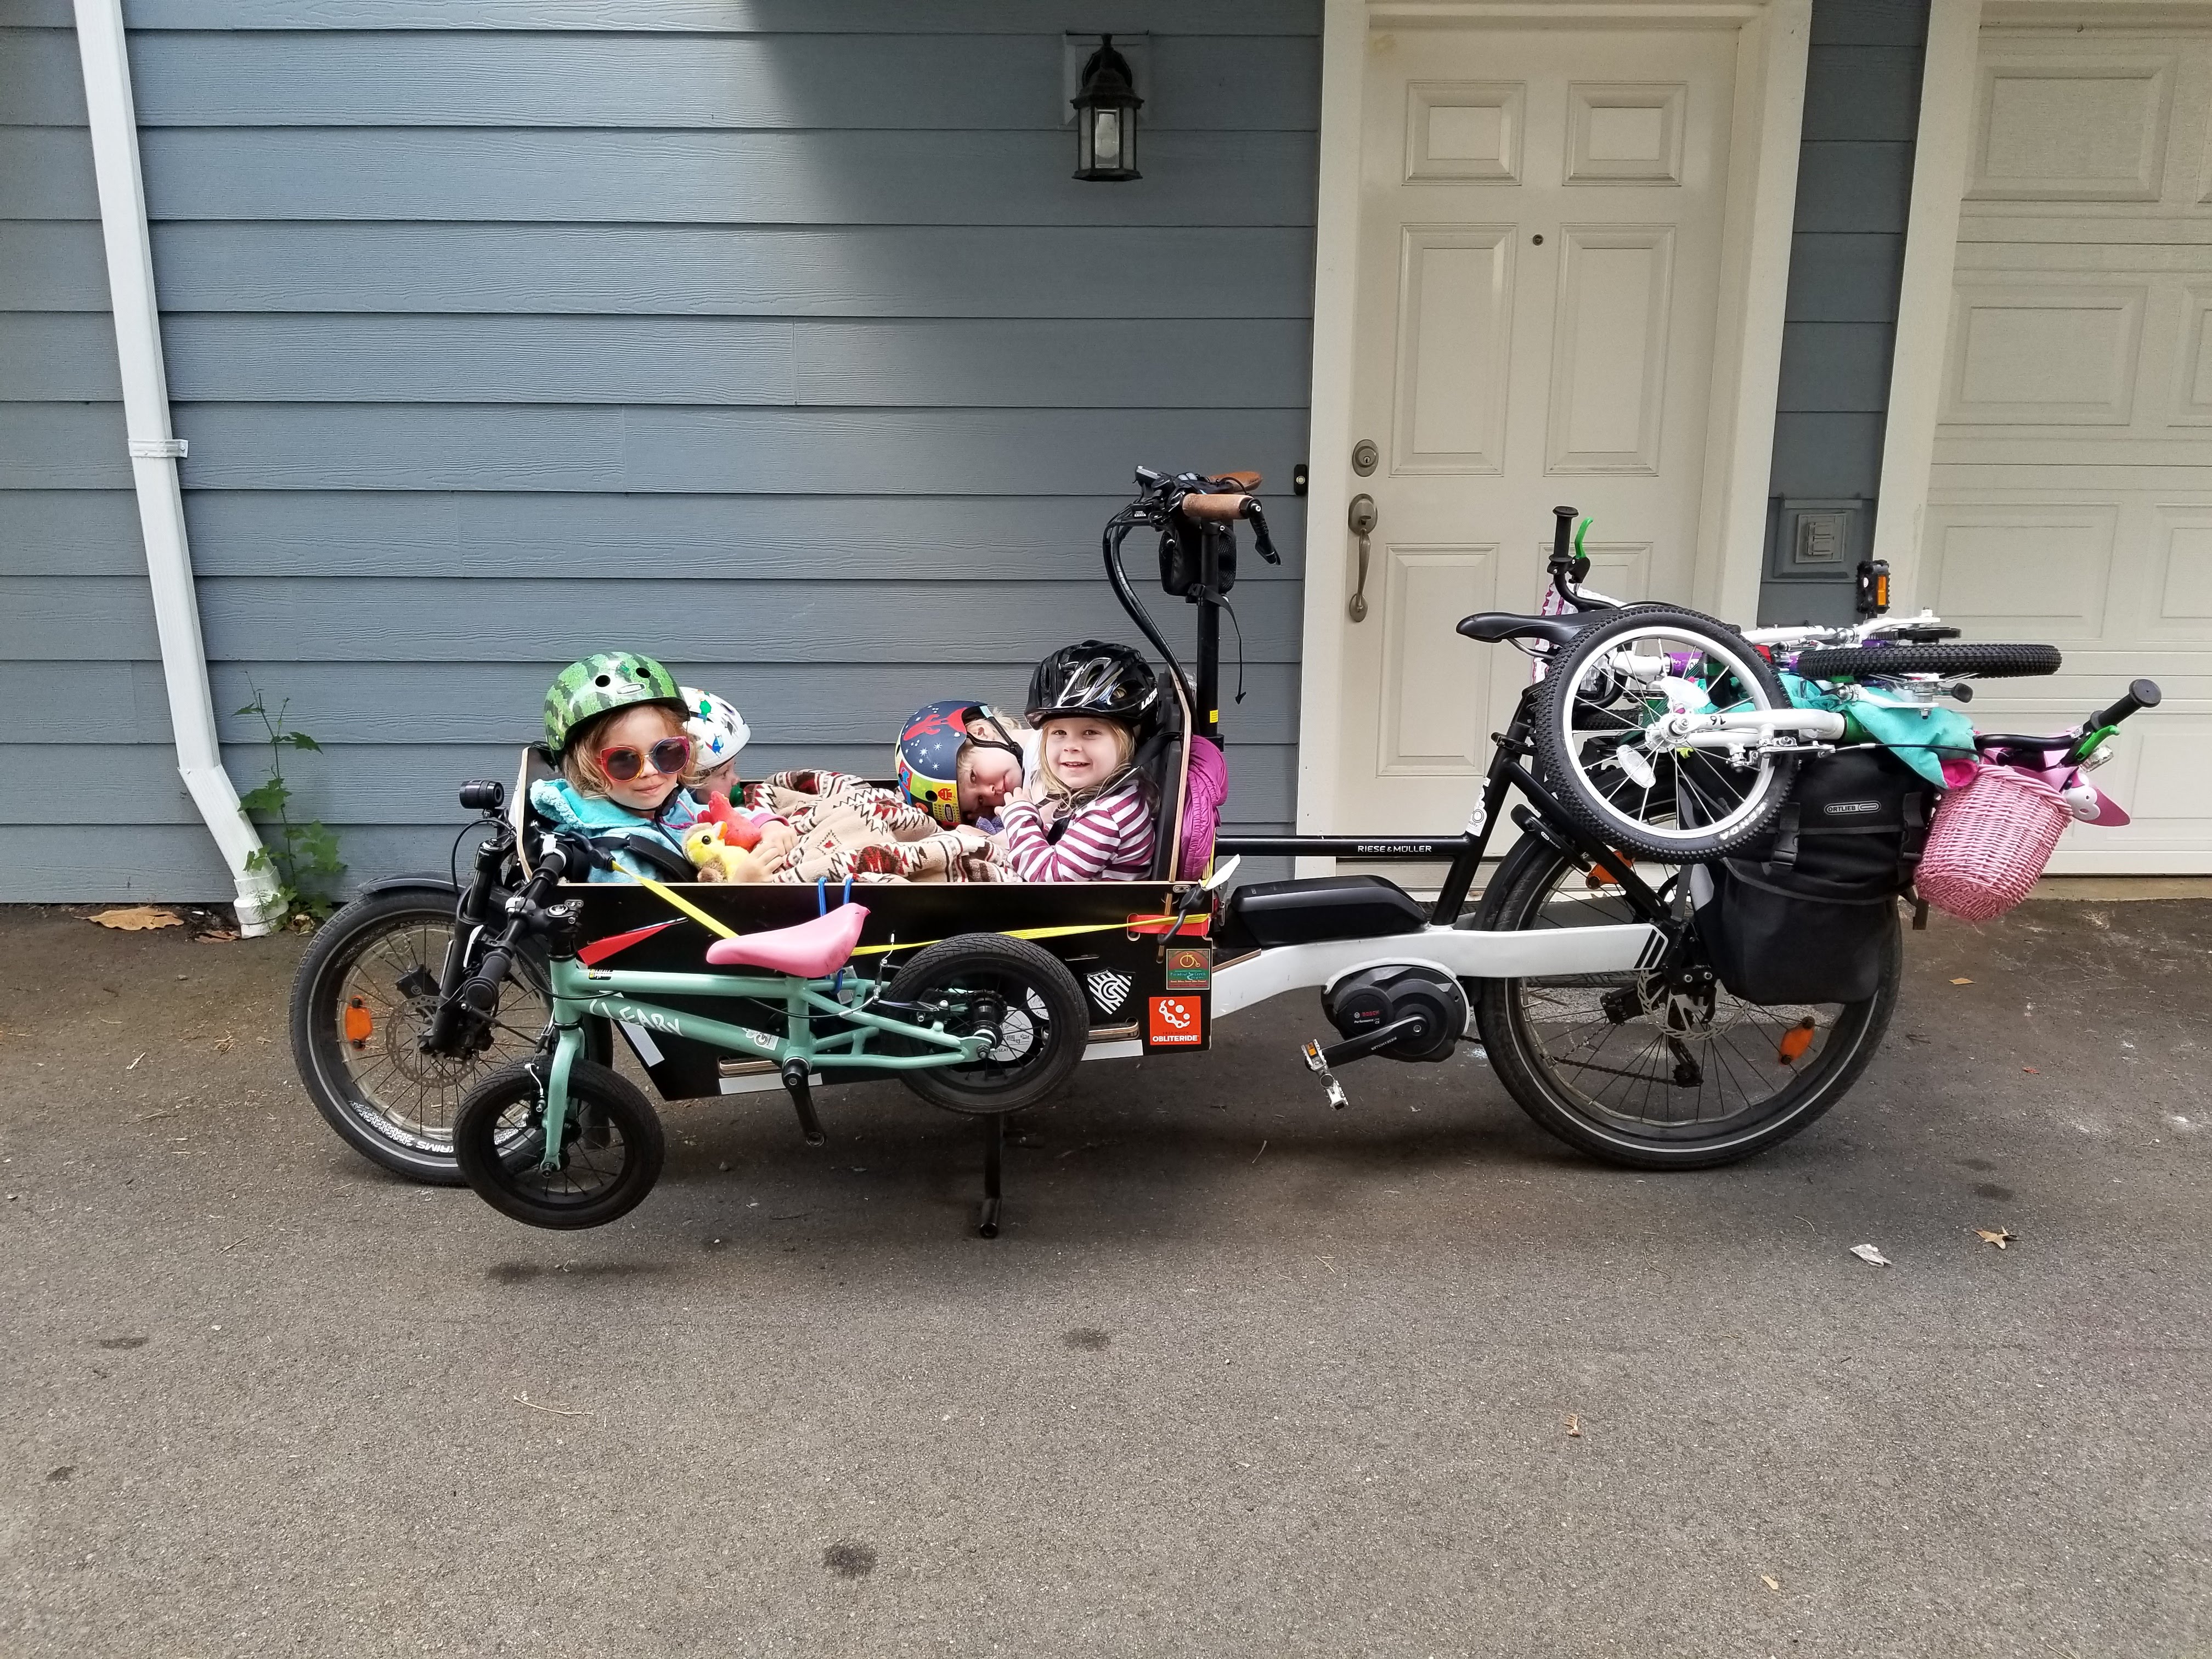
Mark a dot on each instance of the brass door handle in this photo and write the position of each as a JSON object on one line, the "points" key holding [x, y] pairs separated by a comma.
{"points": [[1362, 520]]}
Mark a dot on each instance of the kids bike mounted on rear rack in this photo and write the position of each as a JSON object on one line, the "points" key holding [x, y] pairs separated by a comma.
{"points": [[1642, 969]]}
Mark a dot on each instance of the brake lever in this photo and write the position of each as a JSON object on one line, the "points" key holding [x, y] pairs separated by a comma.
{"points": [[1260, 540]]}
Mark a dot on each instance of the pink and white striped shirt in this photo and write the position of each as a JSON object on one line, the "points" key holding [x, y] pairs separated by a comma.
{"points": [[1109, 840]]}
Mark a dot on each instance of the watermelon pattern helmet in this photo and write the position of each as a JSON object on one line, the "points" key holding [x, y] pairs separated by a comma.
{"points": [[717, 730], [929, 753], [603, 682]]}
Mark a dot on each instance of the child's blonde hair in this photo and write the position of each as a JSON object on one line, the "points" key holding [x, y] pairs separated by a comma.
{"points": [[579, 755], [1125, 750]]}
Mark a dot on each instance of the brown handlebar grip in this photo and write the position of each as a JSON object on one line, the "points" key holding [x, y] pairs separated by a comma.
{"points": [[1247, 482], [1213, 507]]}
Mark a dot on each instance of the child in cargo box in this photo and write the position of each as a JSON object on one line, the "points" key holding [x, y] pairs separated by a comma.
{"points": [[1088, 814], [615, 721]]}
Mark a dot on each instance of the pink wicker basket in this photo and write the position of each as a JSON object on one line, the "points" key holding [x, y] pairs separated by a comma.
{"points": [[1988, 843]]}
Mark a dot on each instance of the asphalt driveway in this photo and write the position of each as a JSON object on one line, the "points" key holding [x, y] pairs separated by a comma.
{"points": [[1242, 1376]]}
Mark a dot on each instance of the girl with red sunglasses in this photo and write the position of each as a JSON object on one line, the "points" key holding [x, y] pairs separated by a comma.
{"points": [[616, 722]]}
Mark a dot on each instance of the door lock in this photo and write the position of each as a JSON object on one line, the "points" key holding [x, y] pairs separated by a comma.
{"points": [[1362, 519]]}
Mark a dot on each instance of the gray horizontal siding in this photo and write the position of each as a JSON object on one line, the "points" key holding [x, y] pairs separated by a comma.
{"points": [[888, 17], [821, 178], [842, 271], [1835, 367], [795, 82], [772, 337], [943, 452], [414, 784], [595, 538], [937, 363], [370, 619], [1848, 277], [1854, 185], [1868, 23], [52, 266]]}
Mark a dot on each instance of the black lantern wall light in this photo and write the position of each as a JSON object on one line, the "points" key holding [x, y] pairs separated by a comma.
{"points": [[1106, 119]]}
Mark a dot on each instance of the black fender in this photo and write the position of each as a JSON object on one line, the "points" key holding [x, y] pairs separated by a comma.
{"points": [[443, 883]]}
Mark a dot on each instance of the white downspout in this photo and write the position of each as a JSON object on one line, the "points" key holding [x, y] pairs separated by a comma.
{"points": [[153, 454]]}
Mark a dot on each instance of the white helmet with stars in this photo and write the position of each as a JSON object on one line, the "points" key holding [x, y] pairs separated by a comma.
{"points": [[717, 730]]}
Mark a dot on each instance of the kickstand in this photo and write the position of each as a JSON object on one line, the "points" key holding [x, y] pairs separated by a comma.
{"points": [[994, 1148]]}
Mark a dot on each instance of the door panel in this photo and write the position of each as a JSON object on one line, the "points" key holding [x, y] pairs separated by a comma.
{"points": [[1539, 255], [2071, 499]]}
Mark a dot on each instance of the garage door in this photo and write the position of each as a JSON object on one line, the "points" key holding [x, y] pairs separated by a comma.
{"points": [[2071, 497]]}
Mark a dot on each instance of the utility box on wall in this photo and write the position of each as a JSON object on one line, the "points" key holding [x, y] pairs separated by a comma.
{"points": [[1813, 547]]}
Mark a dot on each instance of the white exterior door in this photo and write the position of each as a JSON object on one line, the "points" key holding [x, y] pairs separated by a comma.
{"points": [[2071, 495], [1541, 218]]}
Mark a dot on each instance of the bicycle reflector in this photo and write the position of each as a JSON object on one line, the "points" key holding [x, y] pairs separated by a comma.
{"points": [[1796, 1040], [1873, 587], [360, 1023]]}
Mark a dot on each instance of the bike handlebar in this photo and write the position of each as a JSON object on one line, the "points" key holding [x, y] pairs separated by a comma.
{"points": [[2141, 695], [1218, 508], [479, 994]]}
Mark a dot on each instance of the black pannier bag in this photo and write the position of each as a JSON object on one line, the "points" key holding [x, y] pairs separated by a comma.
{"points": [[1809, 913]]}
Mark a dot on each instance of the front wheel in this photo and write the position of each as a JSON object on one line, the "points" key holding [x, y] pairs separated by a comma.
{"points": [[1022, 995], [611, 1145], [364, 995], [1654, 1076], [1615, 775]]}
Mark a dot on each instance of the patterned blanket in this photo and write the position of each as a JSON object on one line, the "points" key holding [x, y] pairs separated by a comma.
{"points": [[849, 828]]}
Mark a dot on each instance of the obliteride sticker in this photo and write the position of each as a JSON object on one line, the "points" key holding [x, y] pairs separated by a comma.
{"points": [[1189, 969], [1176, 1022]]}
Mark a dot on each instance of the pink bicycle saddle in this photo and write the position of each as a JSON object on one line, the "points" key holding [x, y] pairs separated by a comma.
{"points": [[812, 950]]}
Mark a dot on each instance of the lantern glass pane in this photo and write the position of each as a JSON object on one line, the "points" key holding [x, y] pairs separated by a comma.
{"points": [[1107, 144]]}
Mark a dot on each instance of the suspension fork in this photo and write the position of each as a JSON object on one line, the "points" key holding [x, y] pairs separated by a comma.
{"points": [[470, 912]]}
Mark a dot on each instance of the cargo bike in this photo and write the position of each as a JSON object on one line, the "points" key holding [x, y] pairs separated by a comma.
{"points": [[464, 1030]]}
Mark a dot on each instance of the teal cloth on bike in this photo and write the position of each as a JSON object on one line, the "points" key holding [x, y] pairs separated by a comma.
{"points": [[1920, 734], [604, 824]]}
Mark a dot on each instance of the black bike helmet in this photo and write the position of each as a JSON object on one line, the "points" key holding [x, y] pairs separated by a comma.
{"points": [[1094, 677]]}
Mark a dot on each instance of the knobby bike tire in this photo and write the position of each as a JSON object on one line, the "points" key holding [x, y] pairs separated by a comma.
{"points": [[993, 959], [1586, 802], [1532, 873], [1988, 662], [603, 1106]]}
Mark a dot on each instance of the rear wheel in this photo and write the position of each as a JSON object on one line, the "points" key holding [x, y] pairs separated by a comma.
{"points": [[1022, 995], [1647, 1074], [611, 1145]]}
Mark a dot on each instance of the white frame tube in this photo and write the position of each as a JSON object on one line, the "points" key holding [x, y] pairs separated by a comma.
{"points": [[153, 452]]}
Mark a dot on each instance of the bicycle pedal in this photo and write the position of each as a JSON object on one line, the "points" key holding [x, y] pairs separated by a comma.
{"points": [[1337, 1098]]}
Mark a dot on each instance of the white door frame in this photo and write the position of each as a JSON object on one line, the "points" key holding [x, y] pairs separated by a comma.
{"points": [[1941, 151], [1771, 36]]}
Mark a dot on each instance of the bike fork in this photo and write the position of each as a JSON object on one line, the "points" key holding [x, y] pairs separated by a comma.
{"points": [[555, 1121]]}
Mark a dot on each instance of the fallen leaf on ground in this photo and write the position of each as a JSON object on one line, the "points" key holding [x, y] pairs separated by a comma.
{"points": [[1999, 1236], [2030, 1071], [139, 918], [1962, 982], [1573, 1426], [218, 937], [1769, 1581], [1869, 1253]]}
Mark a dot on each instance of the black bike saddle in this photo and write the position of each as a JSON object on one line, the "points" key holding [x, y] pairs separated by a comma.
{"points": [[1495, 627]]}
